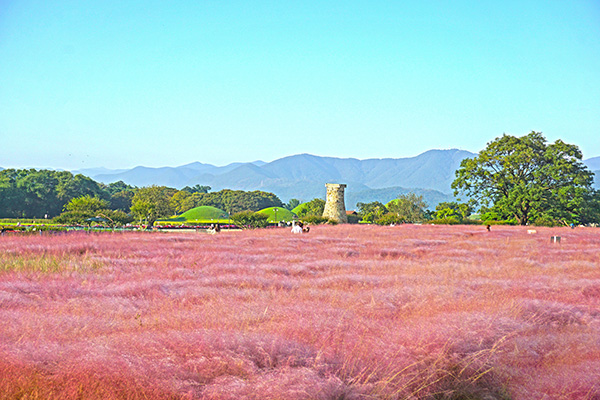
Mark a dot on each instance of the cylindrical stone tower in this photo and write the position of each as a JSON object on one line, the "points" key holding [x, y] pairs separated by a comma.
{"points": [[335, 209]]}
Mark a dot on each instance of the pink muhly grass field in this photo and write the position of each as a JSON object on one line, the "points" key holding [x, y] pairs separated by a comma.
{"points": [[344, 312]]}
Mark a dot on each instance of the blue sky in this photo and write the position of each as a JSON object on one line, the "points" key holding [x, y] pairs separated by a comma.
{"points": [[118, 84]]}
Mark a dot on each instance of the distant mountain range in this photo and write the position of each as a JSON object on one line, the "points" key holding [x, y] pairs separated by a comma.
{"points": [[593, 163], [303, 176]]}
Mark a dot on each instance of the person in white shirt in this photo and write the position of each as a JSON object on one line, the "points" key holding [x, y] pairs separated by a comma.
{"points": [[297, 227]]}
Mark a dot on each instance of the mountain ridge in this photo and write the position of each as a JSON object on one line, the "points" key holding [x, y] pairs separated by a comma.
{"points": [[304, 175]]}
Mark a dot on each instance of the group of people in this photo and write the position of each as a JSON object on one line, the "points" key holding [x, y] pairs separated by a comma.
{"points": [[298, 227], [214, 228]]}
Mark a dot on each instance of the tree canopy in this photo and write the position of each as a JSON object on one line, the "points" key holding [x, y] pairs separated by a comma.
{"points": [[313, 208], [29, 193], [234, 201], [196, 189], [152, 202], [370, 212], [250, 220], [527, 180], [293, 203], [453, 211], [87, 204], [83, 209], [407, 207]]}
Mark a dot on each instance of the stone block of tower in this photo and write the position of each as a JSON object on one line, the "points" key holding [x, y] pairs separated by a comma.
{"points": [[335, 209]]}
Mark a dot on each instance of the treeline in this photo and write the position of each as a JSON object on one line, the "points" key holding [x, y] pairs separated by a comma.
{"points": [[31, 193], [232, 201], [515, 180], [68, 198], [154, 202]]}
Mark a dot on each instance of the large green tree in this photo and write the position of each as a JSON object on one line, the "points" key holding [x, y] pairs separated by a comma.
{"points": [[152, 202], [293, 203], [120, 195], [453, 210], [407, 207], [36, 193], [87, 204], [12, 198], [80, 210], [526, 179], [369, 212], [313, 208], [180, 201]]}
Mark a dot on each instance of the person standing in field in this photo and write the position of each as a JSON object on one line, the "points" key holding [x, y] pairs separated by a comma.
{"points": [[297, 227], [214, 229]]}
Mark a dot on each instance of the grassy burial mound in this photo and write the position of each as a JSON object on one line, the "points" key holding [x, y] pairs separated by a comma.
{"points": [[202, 214], [281, 214], [300, 208]]}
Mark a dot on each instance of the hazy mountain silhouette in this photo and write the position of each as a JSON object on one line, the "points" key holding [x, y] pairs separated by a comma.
{"points": [[303, 176], [593, 163]]}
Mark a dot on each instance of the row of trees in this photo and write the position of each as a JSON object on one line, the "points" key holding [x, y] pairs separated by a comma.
{"points": [[68, 198], [30, 193], [411, 208], [408, 208], [232, 201], [519, 180], [154, 202]]}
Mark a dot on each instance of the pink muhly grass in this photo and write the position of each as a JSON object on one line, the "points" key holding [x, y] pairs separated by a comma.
{"points": [[352, 312]]}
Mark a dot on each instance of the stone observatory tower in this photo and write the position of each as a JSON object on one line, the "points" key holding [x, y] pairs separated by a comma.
{"points": [[335, 209]]}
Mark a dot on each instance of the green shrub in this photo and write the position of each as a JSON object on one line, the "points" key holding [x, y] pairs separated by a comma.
{"points": [[501, 222], [250, 220], [545, 221], [314, 207], [73, 217], [316, 220], [112, 217], [390, 218], [493, 218], [454, 221]]}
